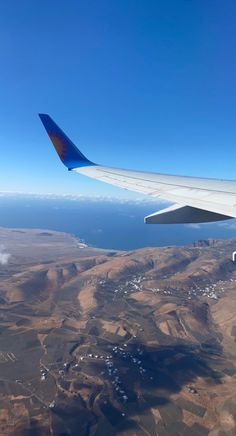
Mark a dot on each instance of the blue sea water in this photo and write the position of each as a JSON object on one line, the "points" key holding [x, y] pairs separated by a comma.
{"points": [[105, 224]]}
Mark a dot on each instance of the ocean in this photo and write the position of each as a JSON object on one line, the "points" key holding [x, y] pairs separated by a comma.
{"points": [[105, 223]]}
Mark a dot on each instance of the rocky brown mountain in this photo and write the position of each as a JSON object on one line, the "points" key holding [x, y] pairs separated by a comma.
{"points": [[132, 343]]}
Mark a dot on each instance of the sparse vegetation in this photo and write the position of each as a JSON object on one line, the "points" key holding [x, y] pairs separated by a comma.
{"points": [[136, 342]]}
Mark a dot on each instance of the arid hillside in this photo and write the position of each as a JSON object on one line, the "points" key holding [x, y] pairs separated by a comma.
{"points": [[103, 343]]}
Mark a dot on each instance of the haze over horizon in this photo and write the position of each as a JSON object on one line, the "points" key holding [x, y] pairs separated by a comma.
{"points": [[101, 222]]}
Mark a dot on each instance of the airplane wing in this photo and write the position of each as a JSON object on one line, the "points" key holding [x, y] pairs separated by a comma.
{"points": [[195, 199]]}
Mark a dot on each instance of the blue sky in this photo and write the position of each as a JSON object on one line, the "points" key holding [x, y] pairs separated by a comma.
{"points": [[144, 85]]}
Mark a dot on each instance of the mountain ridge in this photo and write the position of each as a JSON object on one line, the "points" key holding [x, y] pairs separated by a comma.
{"points": [[139, 342]]}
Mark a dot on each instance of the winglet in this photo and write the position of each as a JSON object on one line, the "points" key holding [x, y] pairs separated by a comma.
{"points": [[66, 150]]}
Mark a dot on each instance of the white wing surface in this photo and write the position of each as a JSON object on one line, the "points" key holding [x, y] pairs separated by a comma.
{"points": [[196, 199]]}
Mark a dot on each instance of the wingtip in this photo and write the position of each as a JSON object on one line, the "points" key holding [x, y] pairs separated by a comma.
{"points": [[42, 115], [69, 154]]}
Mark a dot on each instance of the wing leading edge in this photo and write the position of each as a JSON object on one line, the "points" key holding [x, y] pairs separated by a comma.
{"points": [[196, 199]]}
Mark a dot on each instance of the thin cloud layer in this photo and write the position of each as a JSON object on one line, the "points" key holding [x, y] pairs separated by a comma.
{"points": [[4, 257]]}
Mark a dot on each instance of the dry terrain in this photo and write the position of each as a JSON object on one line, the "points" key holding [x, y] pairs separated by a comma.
{"points": [[103, 343]]}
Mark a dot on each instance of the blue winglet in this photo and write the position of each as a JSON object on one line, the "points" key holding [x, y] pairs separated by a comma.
{"points": [[66, 150]]}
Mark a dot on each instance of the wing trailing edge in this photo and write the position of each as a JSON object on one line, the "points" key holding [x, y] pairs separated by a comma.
{"points": [[177, 214]]}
